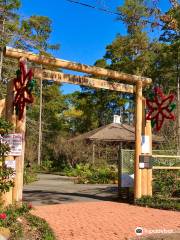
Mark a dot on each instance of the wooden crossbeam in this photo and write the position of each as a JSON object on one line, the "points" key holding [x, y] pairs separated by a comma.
{"points": [[165, 168], [55, 62], [165, 156], [81, 80]]}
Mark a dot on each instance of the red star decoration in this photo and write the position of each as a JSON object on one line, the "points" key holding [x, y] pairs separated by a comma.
{"points": [[23, 94], [159, 108]]}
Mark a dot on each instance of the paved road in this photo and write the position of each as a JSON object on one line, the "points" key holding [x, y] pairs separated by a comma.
{"points": [[54, 189]]}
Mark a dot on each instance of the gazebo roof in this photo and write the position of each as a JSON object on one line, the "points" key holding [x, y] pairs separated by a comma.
{"points": [[113, 132]]}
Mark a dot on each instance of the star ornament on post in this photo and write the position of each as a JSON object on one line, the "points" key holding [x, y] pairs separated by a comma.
{"points": [[160, 108], [23, 89]]}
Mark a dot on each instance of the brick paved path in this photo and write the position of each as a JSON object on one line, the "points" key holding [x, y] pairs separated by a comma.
{"points": [[104, 220]]}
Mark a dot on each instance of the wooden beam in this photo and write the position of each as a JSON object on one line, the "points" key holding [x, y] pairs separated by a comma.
{"points": [[166, 156], [84, 81], [165, 168], [59, 63]]}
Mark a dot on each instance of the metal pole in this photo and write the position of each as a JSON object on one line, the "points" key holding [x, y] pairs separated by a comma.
{"points": [[40, 123]]}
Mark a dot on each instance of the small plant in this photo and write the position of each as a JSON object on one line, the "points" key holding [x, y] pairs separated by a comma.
{"points": [[43, 228], [9, 219], [30, 175]]}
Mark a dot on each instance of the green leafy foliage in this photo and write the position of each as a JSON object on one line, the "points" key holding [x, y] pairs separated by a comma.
{"points": [[156, 202], [6, 174], [30, 175], [23, 225], [12, 213], [87, 173], [167, 183]]}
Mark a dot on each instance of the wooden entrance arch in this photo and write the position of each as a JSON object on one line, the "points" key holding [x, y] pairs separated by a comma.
{"points": [[129, 83]]}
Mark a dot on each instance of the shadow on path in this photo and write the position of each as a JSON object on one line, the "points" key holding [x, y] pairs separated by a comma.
{"points": [[55, 197]]}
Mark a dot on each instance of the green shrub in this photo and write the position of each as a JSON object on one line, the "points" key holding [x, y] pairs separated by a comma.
{"points": [[47, 165], [157, 202], [11, 214], [30, 176], [166, 182], [13, 217], [87, 173]]}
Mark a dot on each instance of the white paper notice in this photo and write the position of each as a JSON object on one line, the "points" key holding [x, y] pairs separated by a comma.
{"points": [[11, 164], [145, 144], [15, 143]]}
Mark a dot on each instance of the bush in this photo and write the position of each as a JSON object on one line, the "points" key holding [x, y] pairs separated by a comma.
{"points": [[23, 225], [157, 202], [87, 173], [166, 182], [30, 176]]}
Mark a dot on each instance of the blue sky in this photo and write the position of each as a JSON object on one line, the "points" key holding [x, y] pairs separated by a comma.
{"points": [[83, 33]]}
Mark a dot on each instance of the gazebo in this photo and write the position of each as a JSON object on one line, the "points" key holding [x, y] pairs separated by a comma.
{"points": [[114, 134]]}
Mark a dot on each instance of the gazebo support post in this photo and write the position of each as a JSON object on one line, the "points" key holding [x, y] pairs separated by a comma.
{"points": [[93, 156], [138, 132]]}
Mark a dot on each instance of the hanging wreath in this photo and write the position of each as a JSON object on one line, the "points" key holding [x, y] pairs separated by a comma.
{"points": [[23, 84], [160, 108]]}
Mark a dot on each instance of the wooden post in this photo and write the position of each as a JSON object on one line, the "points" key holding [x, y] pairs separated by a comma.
{"points": [[18, 189], [20, 128], [144, 171], [149, 171], [2, 107], [93, 156], [146, 174], [138, 131]]}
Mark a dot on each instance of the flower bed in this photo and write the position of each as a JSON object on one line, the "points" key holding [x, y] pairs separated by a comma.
{"points": [[17, 223]]}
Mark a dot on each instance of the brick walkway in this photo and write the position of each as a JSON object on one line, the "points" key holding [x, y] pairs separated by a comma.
{"points": [[104, 220]]}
